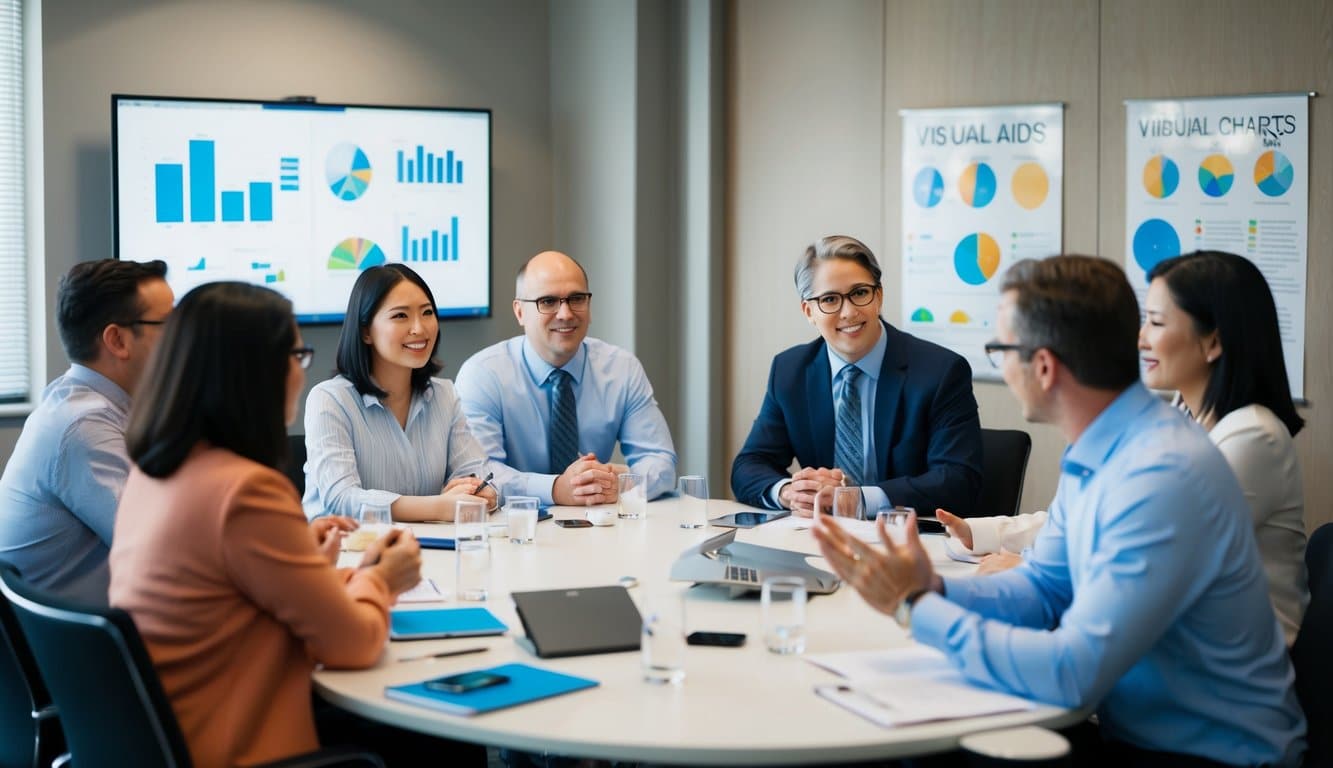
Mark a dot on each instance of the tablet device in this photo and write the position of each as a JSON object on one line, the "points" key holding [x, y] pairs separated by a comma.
{"points": [[575, 622], [748, 519]]}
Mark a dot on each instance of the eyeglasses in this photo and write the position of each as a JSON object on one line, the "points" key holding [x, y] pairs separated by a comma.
{"points": [[304, 356], [995, 351], [549, 305], [831, 302], [138, 322]]}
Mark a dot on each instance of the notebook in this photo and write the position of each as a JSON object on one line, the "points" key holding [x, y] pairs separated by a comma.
{"points": [[526, 683], [443, 622], [576, 622]]}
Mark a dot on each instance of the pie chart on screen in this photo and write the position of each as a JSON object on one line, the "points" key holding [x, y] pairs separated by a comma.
{"points": [[976, 257], [348, 171], [928, 187], [1273, 173], [1161, 176], [1155, 240], [977, 185], [1216, 175]]}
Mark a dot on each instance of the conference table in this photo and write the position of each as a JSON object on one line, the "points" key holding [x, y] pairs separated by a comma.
{"points": [[735, 706]]}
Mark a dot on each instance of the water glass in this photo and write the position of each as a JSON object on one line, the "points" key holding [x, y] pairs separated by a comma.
{"points": [[694, 501], [633, 493], [522, 517], [895, 521], [472, 550], [373, 521], [782, 602], [662, 646]]}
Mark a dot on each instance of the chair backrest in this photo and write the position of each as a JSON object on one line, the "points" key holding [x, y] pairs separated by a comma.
{"points": [[112, 706], [22, 695], [1310, 652], [1004, 463], [295, 468]]}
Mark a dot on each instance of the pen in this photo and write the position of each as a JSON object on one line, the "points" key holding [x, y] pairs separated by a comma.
{"points": [[446, 654], [485, 482]]}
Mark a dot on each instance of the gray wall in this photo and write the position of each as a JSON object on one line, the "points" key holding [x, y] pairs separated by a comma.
{"points": [[445, 52]]}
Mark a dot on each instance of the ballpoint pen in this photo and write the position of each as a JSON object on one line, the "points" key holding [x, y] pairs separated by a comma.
{"points": [[445, 654]]}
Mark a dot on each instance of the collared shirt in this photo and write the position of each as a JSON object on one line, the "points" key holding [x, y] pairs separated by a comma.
{"points": [[870, 367], [357, 453], [1143, 595], [507, 397], [60, 488]]}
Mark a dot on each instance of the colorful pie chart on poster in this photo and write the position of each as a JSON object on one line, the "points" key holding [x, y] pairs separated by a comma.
{"points": [[348, 171], [977, 185], [1030, 185], [928, 188], [1154, 241], [356, 253], [976, 257], [1273, 173], [1216, 175], [1161, 176], [922, 315], [959, 317]]}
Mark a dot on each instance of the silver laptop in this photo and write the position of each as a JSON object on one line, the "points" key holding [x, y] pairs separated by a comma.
{"points": [[743, 567]]}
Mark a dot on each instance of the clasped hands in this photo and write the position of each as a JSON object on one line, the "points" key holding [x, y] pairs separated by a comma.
{"points": [[587, 482], [883, 577], [799, 494], [396, 554], [467, 488]]}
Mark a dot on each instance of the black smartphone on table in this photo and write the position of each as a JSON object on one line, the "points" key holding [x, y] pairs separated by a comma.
{"points": [[929, 525], [722, 639], [466, 681], [574, 523]]}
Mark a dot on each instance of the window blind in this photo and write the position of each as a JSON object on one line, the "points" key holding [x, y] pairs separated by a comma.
{"points": [[14, 347]]}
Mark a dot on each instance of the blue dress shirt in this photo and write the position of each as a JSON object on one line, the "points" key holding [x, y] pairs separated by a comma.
{"points": [[507, 398], [1143, 595], [60, 489], [357, 453]]}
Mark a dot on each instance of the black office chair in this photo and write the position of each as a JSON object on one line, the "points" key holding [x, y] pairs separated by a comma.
{"points": [[1310, 652], [112, 706], [295, 467], [1004, 464], [29, 731]]}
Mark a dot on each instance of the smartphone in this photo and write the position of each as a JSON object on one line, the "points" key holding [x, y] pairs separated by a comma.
{"points": [[466, 681], [574, 523], [929, 525], [723, 639]]}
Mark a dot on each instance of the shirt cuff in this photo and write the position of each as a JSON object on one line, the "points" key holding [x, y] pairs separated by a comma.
{"points": [[540, 486], [773, 498], [986, 534], [875, 499], [932, 615]]}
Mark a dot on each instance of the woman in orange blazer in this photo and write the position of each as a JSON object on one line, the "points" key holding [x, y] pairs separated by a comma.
{"points": [[236, 597]]}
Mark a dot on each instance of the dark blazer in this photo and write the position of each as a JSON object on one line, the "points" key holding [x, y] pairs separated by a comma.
{"points": [[927, 434]]}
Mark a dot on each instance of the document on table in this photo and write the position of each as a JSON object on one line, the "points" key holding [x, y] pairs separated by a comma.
{"points": [[905, 686], [426, 591]]}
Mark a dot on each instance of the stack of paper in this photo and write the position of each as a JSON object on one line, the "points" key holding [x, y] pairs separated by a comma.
{"points": [[903, 686]]}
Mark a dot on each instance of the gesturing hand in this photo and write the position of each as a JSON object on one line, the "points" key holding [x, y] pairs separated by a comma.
{"points": [[885, 577]]}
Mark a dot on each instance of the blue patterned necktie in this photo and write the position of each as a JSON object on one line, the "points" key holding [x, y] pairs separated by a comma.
{"points": [[562, 439], [848, 451]]}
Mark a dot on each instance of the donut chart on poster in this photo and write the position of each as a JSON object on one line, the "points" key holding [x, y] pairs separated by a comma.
{"points": [[928, 189], [1273, 173], [1161, 176], [977, 185], [976, 257], [1216, 175], [1154, 241], [922, 315], [1030, 185]]}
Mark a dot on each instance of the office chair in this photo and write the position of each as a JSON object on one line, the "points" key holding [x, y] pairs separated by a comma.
{"points": [[295, 467], [1004, 464], [1310, 652], [29, 731], [111, 703]]}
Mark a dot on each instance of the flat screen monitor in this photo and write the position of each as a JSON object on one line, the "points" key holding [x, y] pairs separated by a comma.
{"points": [[301, 197]]}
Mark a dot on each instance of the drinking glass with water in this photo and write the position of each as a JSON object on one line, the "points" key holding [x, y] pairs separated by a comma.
{"points": [[472, 550]]}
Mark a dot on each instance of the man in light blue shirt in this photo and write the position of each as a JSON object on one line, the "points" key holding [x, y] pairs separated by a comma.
{"points": [[1144, 595], [59, 491], [548, 407]]}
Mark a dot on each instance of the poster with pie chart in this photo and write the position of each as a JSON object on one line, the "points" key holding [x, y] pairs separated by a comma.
{"points": [[981, 189], [1224, 174]]}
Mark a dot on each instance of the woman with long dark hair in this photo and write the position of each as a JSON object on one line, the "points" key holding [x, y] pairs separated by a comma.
{"points": [[236, 596]]}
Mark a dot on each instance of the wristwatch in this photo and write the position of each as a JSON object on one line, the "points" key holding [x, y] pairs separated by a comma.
{"points": [[903, 613]]}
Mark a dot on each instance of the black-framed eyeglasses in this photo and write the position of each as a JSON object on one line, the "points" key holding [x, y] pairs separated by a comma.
{"points": [[549, 305], [132, 323], [995, 351], [304, 356], [860, 295]]}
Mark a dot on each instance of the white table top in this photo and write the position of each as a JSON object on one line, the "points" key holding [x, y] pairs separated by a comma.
{"points": [[736, 705]]}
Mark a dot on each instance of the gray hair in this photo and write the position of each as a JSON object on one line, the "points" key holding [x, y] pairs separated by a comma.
{"points": [[833, 247]]}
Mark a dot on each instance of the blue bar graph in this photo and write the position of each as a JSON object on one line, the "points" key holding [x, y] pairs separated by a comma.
{"points": [[429, 168], [170, 191], [233, 206], [435, 246], [202, 181], [290, 178], [261, 201]]}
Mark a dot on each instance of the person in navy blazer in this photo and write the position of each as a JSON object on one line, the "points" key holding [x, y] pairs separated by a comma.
{"points": [[923, 447]]}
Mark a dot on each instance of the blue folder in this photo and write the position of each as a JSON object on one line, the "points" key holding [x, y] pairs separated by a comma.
{"points": [[526, 683], [443, 622]]}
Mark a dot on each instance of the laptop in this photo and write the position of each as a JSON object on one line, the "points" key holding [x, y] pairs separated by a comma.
{"points": [[577, 622], [726, 562]]}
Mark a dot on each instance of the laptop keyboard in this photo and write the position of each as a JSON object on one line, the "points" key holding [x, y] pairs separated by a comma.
{"points": [[742, 574]]}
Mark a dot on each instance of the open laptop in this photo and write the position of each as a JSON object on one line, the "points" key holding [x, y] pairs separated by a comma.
{"points": [[743, 567], [576, 622]]}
